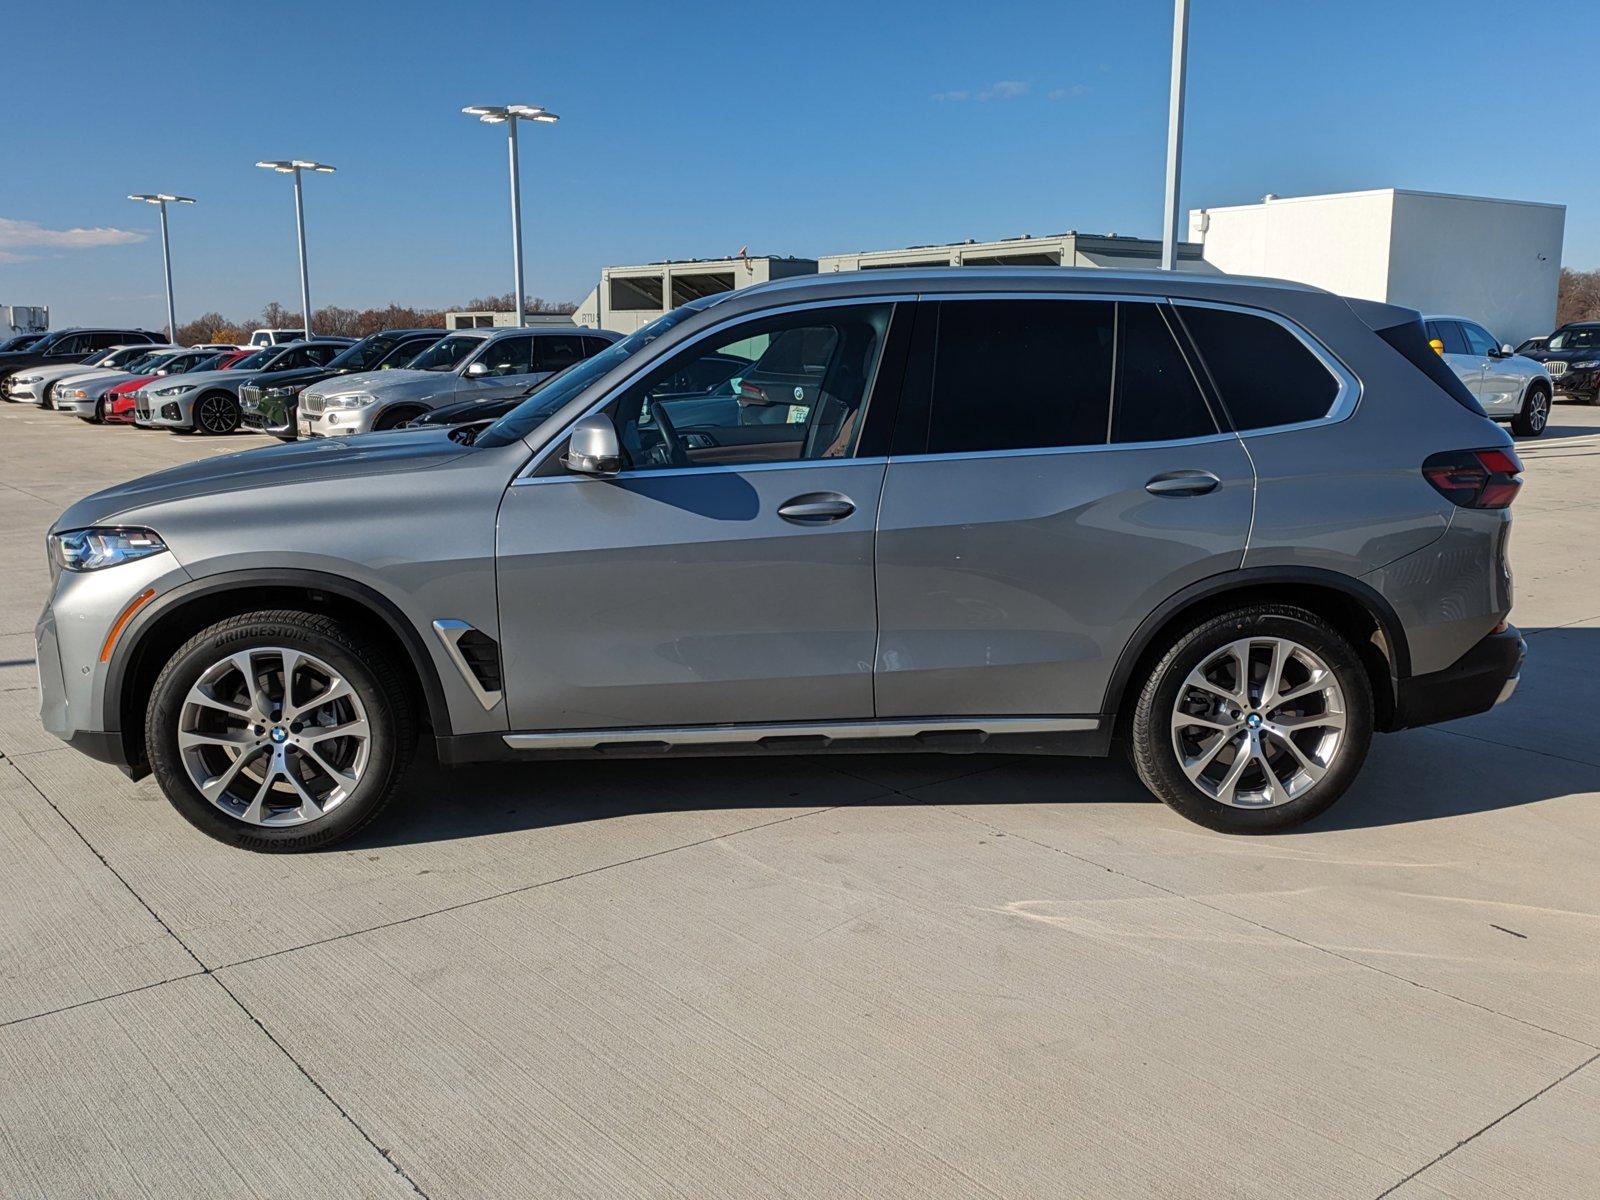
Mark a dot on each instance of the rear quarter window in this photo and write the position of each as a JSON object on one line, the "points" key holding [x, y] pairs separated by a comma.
{"points": [[1264, 375]]}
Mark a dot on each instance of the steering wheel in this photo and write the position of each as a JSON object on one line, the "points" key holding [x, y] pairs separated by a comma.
{"points": [[671, 443]]}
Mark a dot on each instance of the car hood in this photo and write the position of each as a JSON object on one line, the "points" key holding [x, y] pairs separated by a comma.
{"points": [[268, 379], [267, 467], [1562, 355], [396, 382], [95, 375]]}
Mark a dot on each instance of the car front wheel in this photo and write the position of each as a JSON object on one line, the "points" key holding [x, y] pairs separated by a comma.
{"points": [[1535, 414], [1254, 720], [279, 731]]}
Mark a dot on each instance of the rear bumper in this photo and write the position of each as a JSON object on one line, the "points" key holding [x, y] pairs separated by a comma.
{"points": [[1483, 677]]}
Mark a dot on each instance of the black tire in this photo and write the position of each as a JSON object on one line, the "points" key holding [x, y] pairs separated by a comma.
{"points": [[1535, 414], [372, 675], [99, 417], [215, 414], [396, 417], [1152, 739]]}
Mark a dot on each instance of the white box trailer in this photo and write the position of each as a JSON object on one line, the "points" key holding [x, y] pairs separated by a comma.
{"points": [[1495, 261]]}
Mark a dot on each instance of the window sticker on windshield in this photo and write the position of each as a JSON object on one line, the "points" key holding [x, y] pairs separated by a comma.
{"points": [[798, 413]]}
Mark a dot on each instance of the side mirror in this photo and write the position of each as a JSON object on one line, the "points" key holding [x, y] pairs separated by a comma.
{"points": [[593, 448], [476, 370], [1507, 350]]}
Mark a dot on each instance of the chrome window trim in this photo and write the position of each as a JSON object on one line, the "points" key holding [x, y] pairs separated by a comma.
{"points": [[708, 469], [640, 370], [1344, 400]]}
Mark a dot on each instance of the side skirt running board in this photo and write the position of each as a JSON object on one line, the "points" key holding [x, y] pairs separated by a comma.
{"points": [[928, 733]]}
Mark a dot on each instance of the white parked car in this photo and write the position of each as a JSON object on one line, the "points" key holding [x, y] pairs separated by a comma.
{"points": [[1510, 388], [36, 385], [81, 395]]}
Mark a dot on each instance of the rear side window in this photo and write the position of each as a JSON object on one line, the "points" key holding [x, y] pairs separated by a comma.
{"points": [[1264, 374], [1021, 375], [1157, 397], [1448, 334], [557, 352]]}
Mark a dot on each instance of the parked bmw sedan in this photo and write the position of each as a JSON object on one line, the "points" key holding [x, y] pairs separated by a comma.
{"points": [[1572, 357], [271, 401], [208, 401], [1242, 525], [479, 364], [35, 385], [87, 395], [1511, 387], [120, 404]]}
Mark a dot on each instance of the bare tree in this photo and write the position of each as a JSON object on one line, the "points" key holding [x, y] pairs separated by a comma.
{"points": [[276, 316], [530, 304], [208, 327], [1578, 297]]}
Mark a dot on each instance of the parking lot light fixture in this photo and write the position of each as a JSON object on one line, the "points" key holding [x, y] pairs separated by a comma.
{"points": [[161, 200], [508, 115], [295, 166]]}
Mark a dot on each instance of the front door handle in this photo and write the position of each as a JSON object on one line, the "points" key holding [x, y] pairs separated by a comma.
{"points": [[817, 508], [1183, 483]]}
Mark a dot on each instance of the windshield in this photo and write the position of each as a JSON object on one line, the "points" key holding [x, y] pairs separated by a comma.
{"points": [[21, 342], [444, 354], [1581, 338], [365, 354], [259, 359], [544, 402]]}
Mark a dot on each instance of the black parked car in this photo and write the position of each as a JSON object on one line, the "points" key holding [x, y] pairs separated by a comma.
{"points": [[71, 345], [1571, 356], [269, 403]]}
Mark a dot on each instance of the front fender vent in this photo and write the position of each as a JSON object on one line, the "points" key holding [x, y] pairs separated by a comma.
{"points": [[476, 655]]}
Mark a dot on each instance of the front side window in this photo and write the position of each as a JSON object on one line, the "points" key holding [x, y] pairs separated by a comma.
{"points": [[1021, 375], [319, 356], [777, 389], [1478, 339], [78, 343], [365, 354], [1264, 374], [445, 354], [507, 356], [1157, 397]]}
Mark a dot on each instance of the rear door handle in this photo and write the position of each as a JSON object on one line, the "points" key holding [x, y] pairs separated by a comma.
{"points": [[1183, 483], [817, 508]]}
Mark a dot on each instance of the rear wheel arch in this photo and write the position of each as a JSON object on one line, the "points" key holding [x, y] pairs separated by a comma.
{"points": [[165, 625], [1356, 610]]}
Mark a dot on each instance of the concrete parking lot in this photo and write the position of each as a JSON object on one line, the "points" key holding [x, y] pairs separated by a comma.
{"points": [[868, 976]]}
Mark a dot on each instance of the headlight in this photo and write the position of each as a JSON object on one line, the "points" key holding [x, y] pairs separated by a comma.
{"points": [[109, 546], [1587, 364], [76, 394], [29, 378], [350, 400], [176, 389]]}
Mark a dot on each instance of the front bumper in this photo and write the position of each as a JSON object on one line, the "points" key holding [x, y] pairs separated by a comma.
{"points": [[337, 422], [166, 412], [1483, 677], [267, 414], [22, 393]]}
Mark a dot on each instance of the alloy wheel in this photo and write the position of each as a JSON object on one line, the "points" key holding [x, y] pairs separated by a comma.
{"points": [[214, 414], [1258, 722], [274, 736], [1538, 411]]}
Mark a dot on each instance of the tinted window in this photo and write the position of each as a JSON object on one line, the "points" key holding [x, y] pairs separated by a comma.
{"points": [[1157, 397], [1478, 339], [556, 353], [1265, 375], [594, 345], [800, 395], [1576, 337], [78, 343], [322, 355], [1021, 375], [508, 356], [1449, 334]]}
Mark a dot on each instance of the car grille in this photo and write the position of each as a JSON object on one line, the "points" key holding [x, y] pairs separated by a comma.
{"points": [[249, 397], [141, 405], [310, 403], [1555, 367]]}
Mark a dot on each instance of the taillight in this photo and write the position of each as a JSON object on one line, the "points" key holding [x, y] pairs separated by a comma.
{"points": [[1475, 478]]}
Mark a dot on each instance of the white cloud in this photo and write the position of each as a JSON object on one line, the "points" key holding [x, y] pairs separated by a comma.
{"points": [[1003, 89], [1077, 89], [18, 234], [7, 258]]}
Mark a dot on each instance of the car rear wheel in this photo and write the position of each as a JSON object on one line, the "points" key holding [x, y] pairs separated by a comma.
{"points": [[1253, 721], [279, 731], [1535, 414], [216, 413]]}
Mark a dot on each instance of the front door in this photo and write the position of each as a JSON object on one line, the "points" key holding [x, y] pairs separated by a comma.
{"points": [[1500, 389], [506, 370], [725, 576], [1071, 478]]}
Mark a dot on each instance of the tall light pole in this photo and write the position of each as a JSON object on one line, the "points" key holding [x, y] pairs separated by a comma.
{"points": [[1180, 64], [161, 200], [293, 167], [508, 115]]}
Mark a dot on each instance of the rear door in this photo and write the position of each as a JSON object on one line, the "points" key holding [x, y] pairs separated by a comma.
{"points": [[1459, 354], [1057, 472]]}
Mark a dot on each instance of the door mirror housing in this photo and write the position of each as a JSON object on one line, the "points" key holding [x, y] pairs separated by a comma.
{"points": [[1507, 350], [476, 370], [593, 448]]}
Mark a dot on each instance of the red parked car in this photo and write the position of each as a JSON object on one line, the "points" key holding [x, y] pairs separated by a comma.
{"points": [[119, 401]]}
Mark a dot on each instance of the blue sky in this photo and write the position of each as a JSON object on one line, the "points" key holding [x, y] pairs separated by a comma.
{"points": [[691, 129]]}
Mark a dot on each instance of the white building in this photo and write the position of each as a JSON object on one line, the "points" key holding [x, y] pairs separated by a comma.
{"points": [[1071, 249], [491, 319], [1496, 261]]}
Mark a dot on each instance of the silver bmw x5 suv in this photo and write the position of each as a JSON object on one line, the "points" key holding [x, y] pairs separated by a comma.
{"points": [[1236, 526]]}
